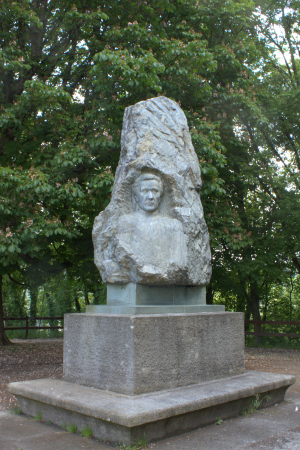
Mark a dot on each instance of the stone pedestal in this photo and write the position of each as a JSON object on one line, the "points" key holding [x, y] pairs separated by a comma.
{"points": [[138, 354], [152, 376]]}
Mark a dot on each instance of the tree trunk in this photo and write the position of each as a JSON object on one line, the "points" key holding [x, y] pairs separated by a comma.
{"points": [[51, 310], [3, 337], [247, 316], [50, 303], [77, 304], [252, 299], [296, 263], [33, 304], [254, 308], [209, 295]]}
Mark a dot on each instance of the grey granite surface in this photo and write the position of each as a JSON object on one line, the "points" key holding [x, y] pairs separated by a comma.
{"points": [[136, 354], [153, 231], [123, 419]]}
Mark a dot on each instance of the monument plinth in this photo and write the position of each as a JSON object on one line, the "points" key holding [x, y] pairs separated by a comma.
{"points": [[156, 360], [140, 354]]}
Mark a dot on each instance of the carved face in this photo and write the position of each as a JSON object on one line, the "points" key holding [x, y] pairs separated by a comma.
{"points": [[149, 195]]}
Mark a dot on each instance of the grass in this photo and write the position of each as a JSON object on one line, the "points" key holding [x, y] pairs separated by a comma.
{"points": [[137, 446], [38, 416], [72, 428], [284, 342], [87, 432], [35, 334], [219, 421], [15, 410], [255, 404]]}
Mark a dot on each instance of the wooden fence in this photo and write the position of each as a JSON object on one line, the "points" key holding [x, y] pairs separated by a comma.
{"points": [[257, 326], [28, 319]]}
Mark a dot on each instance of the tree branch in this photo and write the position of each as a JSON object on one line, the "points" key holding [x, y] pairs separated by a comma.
{"points": [[15, 281]]}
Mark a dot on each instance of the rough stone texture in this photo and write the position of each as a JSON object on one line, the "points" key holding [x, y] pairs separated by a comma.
{"points": [[146, 353], [125, 419], [153, 231], [145, 294]]}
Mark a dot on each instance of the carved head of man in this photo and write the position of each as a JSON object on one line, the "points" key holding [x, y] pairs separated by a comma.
{"points": [[148, 190]]}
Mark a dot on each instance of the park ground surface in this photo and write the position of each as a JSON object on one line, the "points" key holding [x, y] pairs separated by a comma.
{"points": [[275, 428]]}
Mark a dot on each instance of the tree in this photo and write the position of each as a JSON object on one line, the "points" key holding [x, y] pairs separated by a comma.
{"points": [[4, 339], [68, 71], [278, 92], [51, 180], [270, 132], [262, 171]]}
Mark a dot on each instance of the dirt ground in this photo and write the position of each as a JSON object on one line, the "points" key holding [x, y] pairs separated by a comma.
{"points": [[28, 360], [43, 358], [276, 361]]}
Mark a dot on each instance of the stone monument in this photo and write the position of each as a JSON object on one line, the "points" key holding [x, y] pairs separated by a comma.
{"points": [[156, 360], [151, 242], [153, 231]]}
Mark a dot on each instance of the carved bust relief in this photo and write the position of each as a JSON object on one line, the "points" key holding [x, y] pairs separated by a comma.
{"points": [[153, 231], [147, 235]]}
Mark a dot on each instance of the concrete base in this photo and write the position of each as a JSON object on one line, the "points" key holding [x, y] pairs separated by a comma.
{"points": [[125, 419], [135, 355]]}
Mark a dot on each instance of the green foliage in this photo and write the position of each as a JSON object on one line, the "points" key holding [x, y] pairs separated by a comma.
{"points": [[255, 404], [15, 299], [72, 428], [138, 446], [68, 71], [57, 151], [219, 421], [15, 410], [87, 432], [38, 416], [63, 96]]}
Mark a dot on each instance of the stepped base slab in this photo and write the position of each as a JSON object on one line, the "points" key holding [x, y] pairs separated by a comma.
{"points": [[120, 418]]}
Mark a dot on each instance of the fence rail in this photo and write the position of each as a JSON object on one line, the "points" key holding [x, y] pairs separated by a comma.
{"points": [[28, 319], [258, 323]]}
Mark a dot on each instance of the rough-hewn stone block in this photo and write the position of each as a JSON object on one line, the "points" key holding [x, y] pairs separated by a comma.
{"points": [[146, 353]]}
